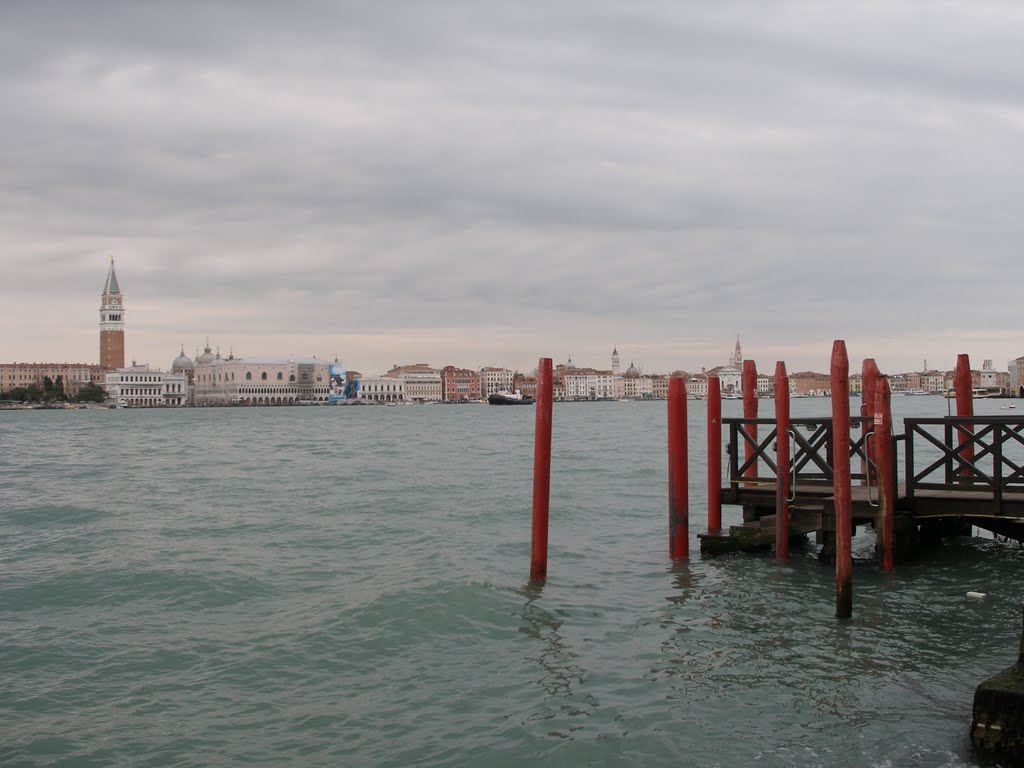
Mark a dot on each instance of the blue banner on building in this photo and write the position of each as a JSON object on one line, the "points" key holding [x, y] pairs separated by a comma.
{"points": [[336, 389]]}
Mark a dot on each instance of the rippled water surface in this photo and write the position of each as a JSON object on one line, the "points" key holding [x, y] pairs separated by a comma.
{"points": [[348, 586]]}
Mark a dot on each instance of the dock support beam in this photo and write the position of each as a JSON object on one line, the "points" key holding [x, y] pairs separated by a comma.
{"points": [[678, 459], [541, 473], [781, 462], [714, 453], [840, 380], [885, 462]]}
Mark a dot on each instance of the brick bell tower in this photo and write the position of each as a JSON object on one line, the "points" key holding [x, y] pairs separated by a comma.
{"points": [[111, 323]]}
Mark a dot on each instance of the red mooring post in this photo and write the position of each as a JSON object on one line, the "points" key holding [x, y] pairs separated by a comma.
{"points": [[883, 452], [714, 453], [964, 407], [541, 473], [841, 478], [781, 461], [869, 374], [678, 458], [750, 412]]}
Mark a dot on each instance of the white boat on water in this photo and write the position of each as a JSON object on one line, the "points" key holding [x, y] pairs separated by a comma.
{"points": [[977, 393], [914, 392]]}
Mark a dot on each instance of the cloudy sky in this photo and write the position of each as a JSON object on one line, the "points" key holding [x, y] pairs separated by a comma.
{"points": [[485, 183]]}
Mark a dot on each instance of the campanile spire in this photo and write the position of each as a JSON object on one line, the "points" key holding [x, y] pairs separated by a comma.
{"points": [[111, 322]]}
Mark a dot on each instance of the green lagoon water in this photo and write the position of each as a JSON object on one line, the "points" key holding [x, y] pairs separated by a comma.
{"points": [[348, 587]]}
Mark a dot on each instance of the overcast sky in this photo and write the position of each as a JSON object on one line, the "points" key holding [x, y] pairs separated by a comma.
{"points": [[485, 183]]}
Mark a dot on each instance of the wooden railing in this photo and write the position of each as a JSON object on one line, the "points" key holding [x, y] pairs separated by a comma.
{"points": [[810, 443], [989, 459]]}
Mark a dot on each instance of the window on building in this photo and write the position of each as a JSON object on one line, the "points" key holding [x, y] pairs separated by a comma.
{"points": [[248, 375], [280, 376], [263, 376]]}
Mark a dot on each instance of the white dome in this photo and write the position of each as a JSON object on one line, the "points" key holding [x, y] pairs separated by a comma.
{"points": [[182, 363]]}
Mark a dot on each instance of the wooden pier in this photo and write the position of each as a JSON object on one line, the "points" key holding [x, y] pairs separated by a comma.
{"points": [[946, 485]]}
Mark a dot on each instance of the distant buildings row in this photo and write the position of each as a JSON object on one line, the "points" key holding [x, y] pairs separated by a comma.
{"points": [[211, 380]]}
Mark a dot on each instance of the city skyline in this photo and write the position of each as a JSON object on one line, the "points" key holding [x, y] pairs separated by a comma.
{"points": [[625, 362], [486, 186]]}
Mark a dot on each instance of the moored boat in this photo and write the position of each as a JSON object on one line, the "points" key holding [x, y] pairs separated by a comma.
{"points": [[509, 398]]}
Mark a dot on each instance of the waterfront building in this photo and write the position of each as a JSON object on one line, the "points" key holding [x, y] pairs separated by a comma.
{"points": [[72, 376], [987, 376], [143, 387], [459, 384], [419, 369], [634, 385], [659, 385], [259, 380], [810, 383], [496, 380], [766, 385], [1015, 369], [898, 382], [697, 386], [730, 376], [381, 389], [936, 381], [615, 361], [184, 366], [528, 385], [422, 383], [422, 388], [111, 323], [589, 384]]}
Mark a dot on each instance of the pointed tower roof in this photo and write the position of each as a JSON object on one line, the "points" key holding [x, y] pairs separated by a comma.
{"points": [[111, 285]]}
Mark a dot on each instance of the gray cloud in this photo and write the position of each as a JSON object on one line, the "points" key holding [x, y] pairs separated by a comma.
{"points": [[585, 173]]}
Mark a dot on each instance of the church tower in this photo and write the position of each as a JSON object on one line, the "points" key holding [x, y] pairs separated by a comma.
{"points": [[615, 361], [111, 323], [736, 361]]}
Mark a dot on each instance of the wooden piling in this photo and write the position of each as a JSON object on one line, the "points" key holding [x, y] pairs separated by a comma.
{"points": [[678, 459], [541, 472], [840, 381], [781, 461], [964, 407], [750, 412], [714, 453], [883, 451], [869, 374]]}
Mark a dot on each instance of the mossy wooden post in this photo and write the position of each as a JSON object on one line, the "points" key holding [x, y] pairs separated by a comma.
{"points": [[883, 453], [750, 412], [840, 379], [869, 374], [782, 489], [964, 388], [997, 727], [714, 453], [678, 492], [541, 473]]}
